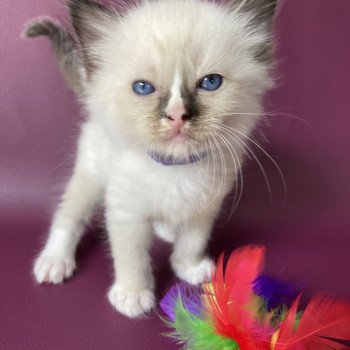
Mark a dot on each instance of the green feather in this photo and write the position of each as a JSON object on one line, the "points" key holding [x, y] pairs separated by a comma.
{"points": [[282, 316], [198, 334]]}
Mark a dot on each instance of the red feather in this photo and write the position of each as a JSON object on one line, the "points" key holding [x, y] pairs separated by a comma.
{"points": [[323, 317], [287, 328], [231, 307]]}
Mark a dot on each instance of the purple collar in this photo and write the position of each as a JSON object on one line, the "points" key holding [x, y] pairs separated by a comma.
{"points": [[170, 160]]}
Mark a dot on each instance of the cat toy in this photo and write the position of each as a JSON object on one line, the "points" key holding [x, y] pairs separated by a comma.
{"points": [[241, 309]]}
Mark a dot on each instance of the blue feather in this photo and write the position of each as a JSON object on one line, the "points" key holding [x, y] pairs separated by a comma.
{"points": [[276, 293]]}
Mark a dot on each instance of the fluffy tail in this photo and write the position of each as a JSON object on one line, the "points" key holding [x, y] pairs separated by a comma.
{"points": [[65, 50]]}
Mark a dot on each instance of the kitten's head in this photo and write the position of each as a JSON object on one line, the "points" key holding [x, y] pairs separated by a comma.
{"points": [[169, 75]]}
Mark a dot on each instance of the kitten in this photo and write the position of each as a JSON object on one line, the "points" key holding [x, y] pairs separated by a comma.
{"points": [[172, 89]]}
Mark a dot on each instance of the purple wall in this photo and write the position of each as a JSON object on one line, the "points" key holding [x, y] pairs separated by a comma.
{"points": [[308, 235], [37, 110]]}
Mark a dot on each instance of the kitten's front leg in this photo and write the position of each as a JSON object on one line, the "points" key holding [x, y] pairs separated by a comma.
{"points": [[132, 293], [56, 262], [188, 258]]}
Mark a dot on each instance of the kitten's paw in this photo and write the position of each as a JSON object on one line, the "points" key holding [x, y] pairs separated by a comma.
{"points": [[52, 269], [131, 303], [196, 274]]}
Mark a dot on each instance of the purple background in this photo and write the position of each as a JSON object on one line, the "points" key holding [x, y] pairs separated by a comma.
{"points": [[307, 235]]}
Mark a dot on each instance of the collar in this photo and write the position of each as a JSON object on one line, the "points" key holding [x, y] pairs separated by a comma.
{"points": [[168, 160]]}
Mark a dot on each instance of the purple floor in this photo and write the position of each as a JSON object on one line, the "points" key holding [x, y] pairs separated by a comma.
{"points": [[306, 234]]}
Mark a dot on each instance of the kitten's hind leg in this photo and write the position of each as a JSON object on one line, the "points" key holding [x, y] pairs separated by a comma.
{"points": [[188, 259], [56, 262]]}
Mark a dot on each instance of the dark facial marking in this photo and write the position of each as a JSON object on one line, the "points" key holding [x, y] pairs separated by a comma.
{"points": [[190, 100], [162, 105], [192, 107]]}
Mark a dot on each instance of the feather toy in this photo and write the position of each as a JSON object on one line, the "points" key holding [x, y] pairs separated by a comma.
{"points": [[324, 322], [244, 310]]}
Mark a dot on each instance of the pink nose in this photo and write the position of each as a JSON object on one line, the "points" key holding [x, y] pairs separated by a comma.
{"points": [[178, 116]]}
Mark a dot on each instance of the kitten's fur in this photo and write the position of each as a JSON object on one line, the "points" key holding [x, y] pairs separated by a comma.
{"points": [[172, 44]]}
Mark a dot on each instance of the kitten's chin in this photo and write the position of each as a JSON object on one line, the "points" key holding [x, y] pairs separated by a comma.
{"points": [[180, 139], [181, 146]]}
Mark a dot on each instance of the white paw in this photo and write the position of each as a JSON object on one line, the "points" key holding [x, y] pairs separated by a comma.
{"points": [[52, 269], [131, 303], [196, 274]]}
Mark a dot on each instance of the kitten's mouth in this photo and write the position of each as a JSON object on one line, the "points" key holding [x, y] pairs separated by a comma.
{"points": [[178, 148], [181, 136]]}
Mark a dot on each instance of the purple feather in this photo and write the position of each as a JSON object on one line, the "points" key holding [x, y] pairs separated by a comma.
{"points": [[274, 292], [190, 297]]}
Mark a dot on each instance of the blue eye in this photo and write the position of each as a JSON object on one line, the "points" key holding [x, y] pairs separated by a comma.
{"points": [[143, 88], [211, 82]]}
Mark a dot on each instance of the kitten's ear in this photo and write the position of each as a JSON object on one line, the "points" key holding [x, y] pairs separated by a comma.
{"points": [[262, 10], [261, 13], [91, 22]]}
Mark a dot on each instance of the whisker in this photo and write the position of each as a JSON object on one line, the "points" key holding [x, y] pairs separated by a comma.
{"points": [[207, 160], [223, 165], [238, 173], [213, 158], [255, 158], [271, 159], [274, 113], [234, 132]]}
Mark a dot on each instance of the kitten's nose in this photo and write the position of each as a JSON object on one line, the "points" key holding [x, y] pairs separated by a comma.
{"points": [[184, 117], [177, 115]]}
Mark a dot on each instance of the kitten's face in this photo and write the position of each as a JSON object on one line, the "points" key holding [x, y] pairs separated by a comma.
{"points": [[171, 75]]}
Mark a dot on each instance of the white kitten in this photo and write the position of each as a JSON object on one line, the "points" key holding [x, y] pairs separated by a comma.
{"points": [[172, 89]]}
